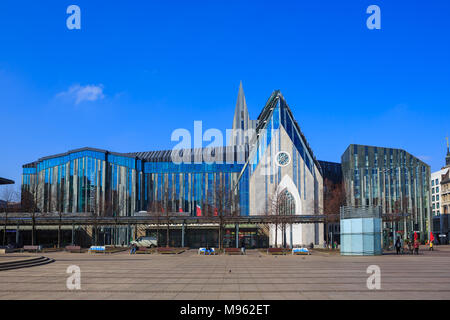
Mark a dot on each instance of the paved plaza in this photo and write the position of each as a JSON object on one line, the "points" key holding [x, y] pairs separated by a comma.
{"points": [[256, 275]]}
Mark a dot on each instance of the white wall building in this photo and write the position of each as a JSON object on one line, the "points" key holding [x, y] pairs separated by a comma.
{"points": [[435, 192]]}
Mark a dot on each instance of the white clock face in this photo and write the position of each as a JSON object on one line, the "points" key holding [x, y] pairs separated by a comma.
{"points": [[283, 158]]}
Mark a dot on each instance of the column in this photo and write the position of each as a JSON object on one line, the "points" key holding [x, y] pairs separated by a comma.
{"points": [[17, 235], [292, 243], [237, 235], [182, 234], [73, 234]]}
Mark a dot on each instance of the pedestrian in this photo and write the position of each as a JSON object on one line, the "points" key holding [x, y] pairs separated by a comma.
{"points": [[431, 246], [243, 246], [410, 248], [133, 248], [416, 246], [398, 245]]}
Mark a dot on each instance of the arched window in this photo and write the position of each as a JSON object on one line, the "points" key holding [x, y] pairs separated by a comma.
{"points": [[287, 203]]}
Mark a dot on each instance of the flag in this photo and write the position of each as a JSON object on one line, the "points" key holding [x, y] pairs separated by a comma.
{"points": [[431, 236], [215, 212], [199, 211]]}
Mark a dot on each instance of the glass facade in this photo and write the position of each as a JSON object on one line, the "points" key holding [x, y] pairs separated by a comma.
{"points": [[106, 183], [392, 179]]}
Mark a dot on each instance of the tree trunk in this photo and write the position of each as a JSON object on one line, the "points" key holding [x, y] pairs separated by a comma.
{"points": [[32, 230], [4, 229], [220, 235], [59, 233], [168, 226], [157, 233]]}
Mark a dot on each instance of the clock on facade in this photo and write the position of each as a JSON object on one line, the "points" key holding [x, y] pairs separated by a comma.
{"points": [[283, 158]]}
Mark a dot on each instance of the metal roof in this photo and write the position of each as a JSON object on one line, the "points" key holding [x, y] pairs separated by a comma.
{"points": [[6, 181]]}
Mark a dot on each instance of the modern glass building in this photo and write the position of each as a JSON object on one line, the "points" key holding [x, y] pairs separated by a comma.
{"points": [[109, 183], [242, 178], [393, 179]]}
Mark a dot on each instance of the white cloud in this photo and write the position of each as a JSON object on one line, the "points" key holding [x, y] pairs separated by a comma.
{"points": [[79, 93]]}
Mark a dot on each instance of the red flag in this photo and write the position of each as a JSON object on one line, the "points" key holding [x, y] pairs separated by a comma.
{"points": [[199, 211], [415, 236], [431, 236], [215, 212]]}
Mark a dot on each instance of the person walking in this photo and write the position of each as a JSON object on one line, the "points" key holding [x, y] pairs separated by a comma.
{"points": [[243, 246], [133, 248], [431, 241], [410, 247], [416, 246], [398, 245]]}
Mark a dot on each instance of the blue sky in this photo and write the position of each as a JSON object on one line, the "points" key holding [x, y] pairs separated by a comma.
{"points": [[135, 72]]}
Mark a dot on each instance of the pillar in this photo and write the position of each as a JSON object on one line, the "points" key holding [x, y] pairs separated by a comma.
{"points": [[17, 234], [182, 235], [73, 234], [237, 235], [292, 243]]}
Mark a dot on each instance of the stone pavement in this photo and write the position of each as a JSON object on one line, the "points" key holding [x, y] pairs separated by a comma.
{"points": [[254, 276]]}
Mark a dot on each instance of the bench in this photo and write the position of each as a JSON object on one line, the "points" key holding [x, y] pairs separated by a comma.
{"points": [[97, 249], [76, 249], [233, 250], [275, 251], [32, 248], [303, 251], [145, 250], [205, 251], [164, 250]]}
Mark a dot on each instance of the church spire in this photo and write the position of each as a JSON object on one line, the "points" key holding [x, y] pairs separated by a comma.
{"points": [[240, 119]]}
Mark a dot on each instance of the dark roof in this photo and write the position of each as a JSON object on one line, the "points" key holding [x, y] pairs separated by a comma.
{"points": [[6, 181], [224, 153]]}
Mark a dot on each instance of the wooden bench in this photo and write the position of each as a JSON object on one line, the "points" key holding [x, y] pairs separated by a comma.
{"points": [[76, 249], [145, 250], [275, 251], [31, 248], [166, 250], [233, 251]]}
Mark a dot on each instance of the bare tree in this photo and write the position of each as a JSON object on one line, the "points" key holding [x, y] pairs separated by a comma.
{"points": [[223, 203], [9, 196], [166, 206], [279, 209], [30, 198], [334, 199]]}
